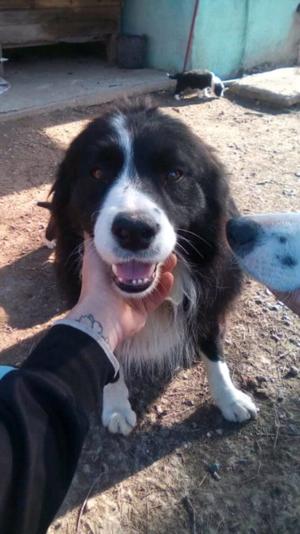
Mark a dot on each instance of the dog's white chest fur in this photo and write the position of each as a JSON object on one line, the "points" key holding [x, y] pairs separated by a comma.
{"points": [[164, 341]]}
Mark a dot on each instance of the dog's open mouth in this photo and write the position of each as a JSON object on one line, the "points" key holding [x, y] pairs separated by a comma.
{"points": [[134, 276]]}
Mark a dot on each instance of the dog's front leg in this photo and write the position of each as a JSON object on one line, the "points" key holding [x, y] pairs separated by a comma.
{"points": [[117, 414], [234, 404]]}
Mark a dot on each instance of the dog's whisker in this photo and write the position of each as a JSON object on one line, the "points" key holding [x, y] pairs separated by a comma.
{"points": [[192, 246], [195, 235]]}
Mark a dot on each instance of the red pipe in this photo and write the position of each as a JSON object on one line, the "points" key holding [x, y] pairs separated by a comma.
{"points": [[190, 39]]}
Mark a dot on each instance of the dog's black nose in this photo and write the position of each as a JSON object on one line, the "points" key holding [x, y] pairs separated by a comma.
{"points": [[134, 231], [242, 234]]}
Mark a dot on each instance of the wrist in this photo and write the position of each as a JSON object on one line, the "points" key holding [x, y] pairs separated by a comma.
{"points": [[99, 323]]}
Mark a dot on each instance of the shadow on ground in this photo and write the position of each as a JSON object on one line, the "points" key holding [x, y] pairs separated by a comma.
{"points": [[28, 290]]}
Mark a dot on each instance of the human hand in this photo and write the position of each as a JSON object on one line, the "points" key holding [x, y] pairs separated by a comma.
{"points": [[119, 317]]}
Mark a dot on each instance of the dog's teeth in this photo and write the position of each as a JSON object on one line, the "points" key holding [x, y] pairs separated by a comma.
{"points": [[120, 279], [140, 281], [114, 269]]}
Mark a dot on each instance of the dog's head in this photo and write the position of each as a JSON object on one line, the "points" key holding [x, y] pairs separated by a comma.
{"points": [[143, 185], [268, 248]]}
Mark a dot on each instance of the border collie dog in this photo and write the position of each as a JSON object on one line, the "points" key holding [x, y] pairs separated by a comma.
{"points": [[203, 80], [143, 185]]}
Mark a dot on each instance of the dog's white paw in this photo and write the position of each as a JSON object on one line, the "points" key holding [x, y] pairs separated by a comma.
{"points": [[117, 414], [119, 421], [50, 244], [237, 406]]}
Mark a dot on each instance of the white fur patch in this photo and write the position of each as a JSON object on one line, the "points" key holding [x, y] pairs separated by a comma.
{"points": [[50, 244], [235, 405], [215, 79], [117, 414], [164, 342]]}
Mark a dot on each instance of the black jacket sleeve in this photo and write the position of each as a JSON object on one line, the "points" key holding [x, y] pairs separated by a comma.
{"points": [[44, 409]]}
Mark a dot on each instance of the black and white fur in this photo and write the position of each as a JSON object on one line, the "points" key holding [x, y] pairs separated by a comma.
{"points": [[267, 246], [204, 81], [142, 185]]}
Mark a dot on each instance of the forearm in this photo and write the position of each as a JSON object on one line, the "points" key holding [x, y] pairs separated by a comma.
{"points": [[44, 408]]}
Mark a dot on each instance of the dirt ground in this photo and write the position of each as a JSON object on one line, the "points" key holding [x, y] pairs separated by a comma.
{"points": [[159, 479]]}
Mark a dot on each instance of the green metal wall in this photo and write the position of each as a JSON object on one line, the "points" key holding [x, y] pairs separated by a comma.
{"points": [[229, 34], [219, 37], [273, 27], [166, 24], [235, 34]]}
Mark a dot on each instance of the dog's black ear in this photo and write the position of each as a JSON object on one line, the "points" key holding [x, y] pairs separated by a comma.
{"points": [[68, 236], [62, 187]]}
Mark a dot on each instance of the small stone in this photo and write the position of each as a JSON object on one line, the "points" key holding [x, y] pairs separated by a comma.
{"points": [[214, 470], [159, 409], [189, 402], [208, 434], [220, 431], [273, 307], [293, 429], [276, 336], [297, 174], [292, 372], [288, 193], [89, 505], [262, 394], [261, 378], [243, 461]]}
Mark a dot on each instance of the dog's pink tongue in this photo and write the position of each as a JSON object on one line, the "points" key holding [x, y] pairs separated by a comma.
{"points": [[134, 270]]}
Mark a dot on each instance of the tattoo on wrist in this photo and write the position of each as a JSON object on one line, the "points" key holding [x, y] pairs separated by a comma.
{"points": [[90, 322]]}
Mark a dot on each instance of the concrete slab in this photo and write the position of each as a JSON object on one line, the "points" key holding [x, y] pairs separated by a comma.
{"points": [[46, 85], [279, 87]]}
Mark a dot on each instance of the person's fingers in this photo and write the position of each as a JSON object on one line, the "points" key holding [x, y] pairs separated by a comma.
{"points": [[155, 299], [169, 264], [165, 285]]}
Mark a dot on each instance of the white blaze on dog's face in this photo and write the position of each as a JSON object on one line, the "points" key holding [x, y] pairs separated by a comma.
{"points": [[268, 248], [132, 233]]}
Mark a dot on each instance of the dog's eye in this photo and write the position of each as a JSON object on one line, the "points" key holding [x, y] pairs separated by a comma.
{"points": [[174, 174], [97, 173]]}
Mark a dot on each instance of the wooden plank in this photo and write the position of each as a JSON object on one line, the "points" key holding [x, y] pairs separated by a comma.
{"points": [[29, 27], [74, 3], [16, 4], [27, 4]]}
